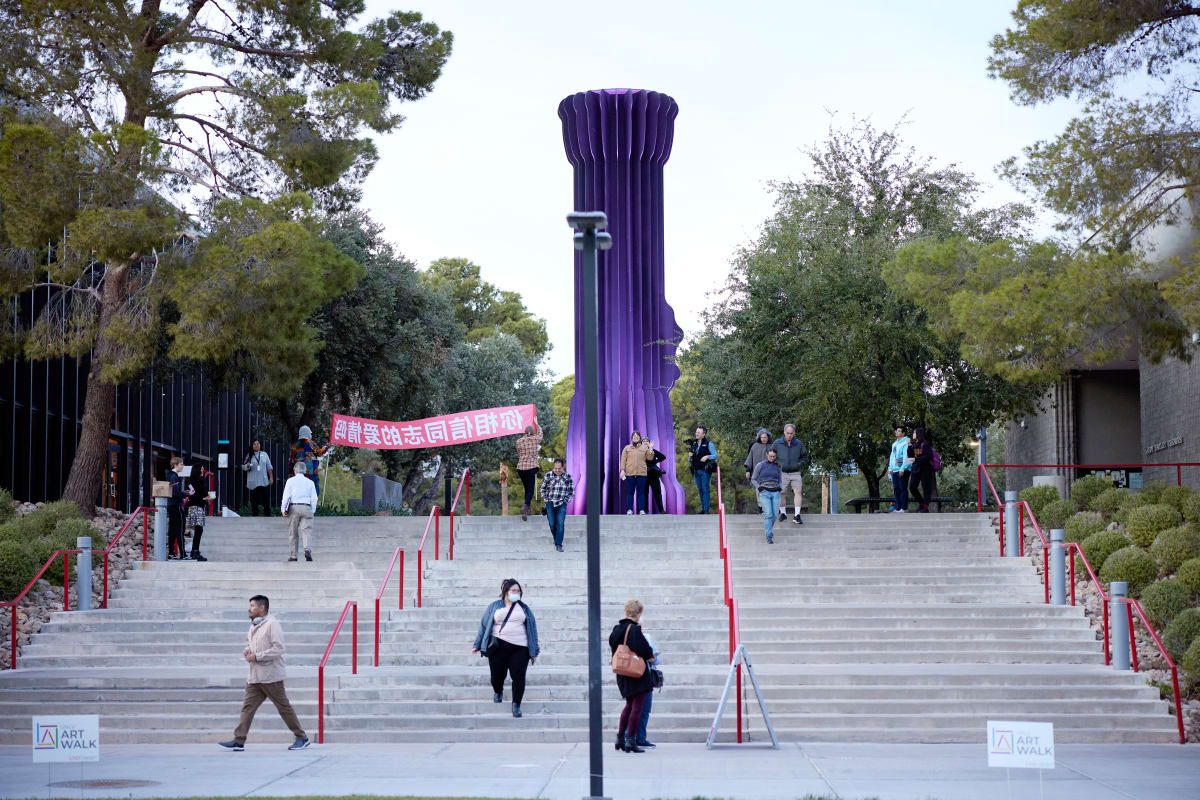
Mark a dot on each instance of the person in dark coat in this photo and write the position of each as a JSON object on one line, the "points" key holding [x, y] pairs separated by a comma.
{"points": [[654, 475], [920, 450], [634, 690]]}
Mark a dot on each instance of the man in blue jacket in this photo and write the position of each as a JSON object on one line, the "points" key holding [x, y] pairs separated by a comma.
{"points": [[793, 460]]}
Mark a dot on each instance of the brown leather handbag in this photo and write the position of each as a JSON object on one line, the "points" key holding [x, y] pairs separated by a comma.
{"points": [[625, 661]]}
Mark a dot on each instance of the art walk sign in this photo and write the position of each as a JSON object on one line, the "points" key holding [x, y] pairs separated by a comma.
{"points": [[1021, 745], [448, 429], [66, 738]]}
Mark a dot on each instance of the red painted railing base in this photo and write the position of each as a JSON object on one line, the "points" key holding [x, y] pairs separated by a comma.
{"points": [[350, 604]]}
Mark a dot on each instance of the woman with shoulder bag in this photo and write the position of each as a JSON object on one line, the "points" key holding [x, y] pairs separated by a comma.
{"points": [[508, 638], [627, 637]]}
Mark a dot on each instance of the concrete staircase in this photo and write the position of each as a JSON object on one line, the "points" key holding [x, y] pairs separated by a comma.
{"points": [[881, 628], [910, 628]]}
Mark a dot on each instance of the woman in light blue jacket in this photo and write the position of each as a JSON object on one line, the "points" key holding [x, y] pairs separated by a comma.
{"points": [[508, 638], [899, 465]]}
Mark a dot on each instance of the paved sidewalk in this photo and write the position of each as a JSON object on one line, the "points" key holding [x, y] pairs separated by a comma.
{"points": [[558, 771]]}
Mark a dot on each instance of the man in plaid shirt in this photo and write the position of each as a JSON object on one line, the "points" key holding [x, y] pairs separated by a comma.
{"points": [[557, 491], [527, 463]]}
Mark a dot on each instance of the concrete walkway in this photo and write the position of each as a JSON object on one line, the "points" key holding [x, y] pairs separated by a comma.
{"points": [[887, 772]]}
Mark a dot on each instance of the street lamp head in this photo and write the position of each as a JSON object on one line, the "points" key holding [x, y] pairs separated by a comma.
{"points": [[587, 220], [603, 240]]}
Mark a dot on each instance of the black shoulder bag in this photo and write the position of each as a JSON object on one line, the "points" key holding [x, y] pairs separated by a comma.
{"points": [[495, 644]]}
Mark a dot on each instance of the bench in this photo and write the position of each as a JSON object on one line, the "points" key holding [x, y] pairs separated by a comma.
{"points": [[859, 502]]}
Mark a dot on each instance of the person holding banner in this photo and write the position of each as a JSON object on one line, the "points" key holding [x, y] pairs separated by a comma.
{"points": [[527, 463], [306, 453], [557, 490]]}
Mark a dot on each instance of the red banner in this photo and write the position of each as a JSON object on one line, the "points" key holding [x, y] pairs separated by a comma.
{"points": [[448, 429]]}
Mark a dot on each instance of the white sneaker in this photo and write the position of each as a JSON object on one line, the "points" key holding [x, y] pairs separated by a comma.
{"points": [[641, 513], [628, 513]]}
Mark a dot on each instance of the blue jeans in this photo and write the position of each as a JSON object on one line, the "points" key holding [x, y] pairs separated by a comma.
{"points": [[315, 477], [900, 489], [770, 510], [557, 516], [702, 479], [635, 483], [641, 730]]}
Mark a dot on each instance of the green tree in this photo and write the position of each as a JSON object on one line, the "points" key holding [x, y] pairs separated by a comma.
{"points": [[560, 403], [484, 310], [118, 113], [1129, 161], [810, 333]]}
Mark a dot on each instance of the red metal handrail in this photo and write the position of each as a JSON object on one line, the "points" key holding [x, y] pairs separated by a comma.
{"points": [[981, 473], [735, 626], [321, 668], [1178, 465], [435, 515], [1023, 508], [386, 577], [1073, 548], [112, 543], [12, 604], [463, 480], [1130, 605]]}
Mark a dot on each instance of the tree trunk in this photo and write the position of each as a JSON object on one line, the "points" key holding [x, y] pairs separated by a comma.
{"points": [[872, 487], [425, 501], [87, 468]]}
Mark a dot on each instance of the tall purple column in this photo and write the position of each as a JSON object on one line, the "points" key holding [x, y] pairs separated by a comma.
{"points": [[617, 140]]}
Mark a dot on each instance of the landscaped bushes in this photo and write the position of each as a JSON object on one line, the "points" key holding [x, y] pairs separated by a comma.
{"points": [[1143, 524], [1152, 491], [1037, 497], [1099, 546], [1191, 661], [18, 563], [1174, 546], [1083, 525], [1189, 575], [1191, 508], [1087, 488], [1176, 497], [7, 509], [1164, 600], [1109, 501], [1055, 514], [1130, 564], [30, 540], [1182, 631]]}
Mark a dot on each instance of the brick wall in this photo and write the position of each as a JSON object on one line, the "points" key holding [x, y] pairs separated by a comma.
{"points": [[1044, 438]]}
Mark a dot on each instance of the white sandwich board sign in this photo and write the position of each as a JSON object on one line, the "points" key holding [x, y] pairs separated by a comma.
{"points": [[66, 738], [1021, 745]]}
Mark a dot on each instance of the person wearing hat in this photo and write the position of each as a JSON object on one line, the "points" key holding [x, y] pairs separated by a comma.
{"points": [[306, 453]]}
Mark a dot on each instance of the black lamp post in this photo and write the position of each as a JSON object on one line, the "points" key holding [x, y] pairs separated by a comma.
{"points": [[588, 238]]}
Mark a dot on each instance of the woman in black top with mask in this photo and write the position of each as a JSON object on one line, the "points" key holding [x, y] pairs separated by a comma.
{"points": [[921, 482]]}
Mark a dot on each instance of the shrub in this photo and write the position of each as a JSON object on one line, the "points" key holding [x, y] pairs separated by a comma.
{"points": [[18, 563], [1153, 490], [1055, 514], [1132, 500], [8, 509], [1189, 575], [1083, 525], [1174, 546], [1132, 565], [1038, 497], [1143, 524], [1087, 488], [1191, 508], [1110, 501], [1176, 497], [43, 521], [1098, 547], [1191, 661], [1164, 600], [1181, 632]]}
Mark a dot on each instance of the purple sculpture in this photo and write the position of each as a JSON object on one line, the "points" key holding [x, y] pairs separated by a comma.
{"points": [[618, 140]]}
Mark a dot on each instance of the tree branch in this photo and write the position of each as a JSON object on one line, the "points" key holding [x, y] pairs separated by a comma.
{"points": [[182, 25], [175, 98], [67, 287], [241, 48], [223, 132]]}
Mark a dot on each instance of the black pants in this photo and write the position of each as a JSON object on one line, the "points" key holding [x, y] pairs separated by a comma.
{"points": [[528, 480], [175, 530], [509, 660], [260, 497], [654, 483], [921, 486]]}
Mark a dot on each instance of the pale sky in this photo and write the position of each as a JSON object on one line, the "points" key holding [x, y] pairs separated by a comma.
{"points": [[477, 170]]}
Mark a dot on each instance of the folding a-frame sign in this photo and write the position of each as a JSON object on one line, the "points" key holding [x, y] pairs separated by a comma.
{"points": [[740, 657]]}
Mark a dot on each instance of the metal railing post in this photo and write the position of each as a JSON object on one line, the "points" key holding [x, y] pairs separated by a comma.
{"points": [[145, 535], [83, 573], [160, 529], [1119, 623], [1012, 524], [1057, 568]]}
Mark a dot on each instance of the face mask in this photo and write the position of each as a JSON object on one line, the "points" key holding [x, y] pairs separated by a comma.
{"points": [[514, 596]]}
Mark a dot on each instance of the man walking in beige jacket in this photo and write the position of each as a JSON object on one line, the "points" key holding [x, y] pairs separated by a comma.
{"points": [[264, 654]]}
